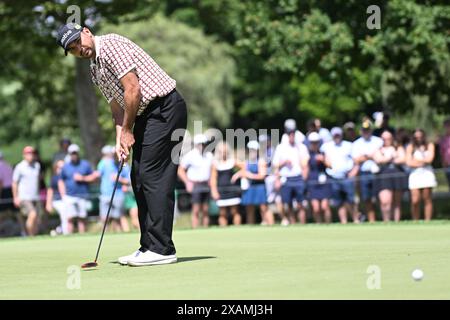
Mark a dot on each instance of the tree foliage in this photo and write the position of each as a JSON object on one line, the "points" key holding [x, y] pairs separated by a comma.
{"points": [[413, 51], [238, 63], [318, 58]]}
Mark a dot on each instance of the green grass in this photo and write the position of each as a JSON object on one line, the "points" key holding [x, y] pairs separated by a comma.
{"points": [[297, 262]]}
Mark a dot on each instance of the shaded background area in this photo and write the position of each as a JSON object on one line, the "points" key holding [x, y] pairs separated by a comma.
{"points": [[250, 64]]}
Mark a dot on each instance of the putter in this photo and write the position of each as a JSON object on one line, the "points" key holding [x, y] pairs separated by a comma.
{"points": [[94, 263]]}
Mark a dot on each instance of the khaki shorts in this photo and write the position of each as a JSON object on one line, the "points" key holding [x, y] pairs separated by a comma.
{"points": [[26, 206], [75, 207]]}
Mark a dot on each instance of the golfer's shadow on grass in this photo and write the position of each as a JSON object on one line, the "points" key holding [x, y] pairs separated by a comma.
{"points": [[183, 259], [187, 259]]}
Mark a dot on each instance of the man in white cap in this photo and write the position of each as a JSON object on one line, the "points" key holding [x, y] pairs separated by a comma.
{"points": [[341, 170], [364, 149], [73, 185], [195, 171], [290, 163], [290, 125]]}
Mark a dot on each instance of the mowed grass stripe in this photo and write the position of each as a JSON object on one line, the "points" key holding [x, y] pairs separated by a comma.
{"points": [[248, 262]]}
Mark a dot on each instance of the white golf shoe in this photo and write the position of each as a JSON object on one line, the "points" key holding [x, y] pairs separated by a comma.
{"points": [[149, 258], [124, 260]]}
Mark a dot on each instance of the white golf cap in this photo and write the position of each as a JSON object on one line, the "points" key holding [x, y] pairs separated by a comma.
{"points": [[290, 125], [313, 137], [73, 148], [108, 149], [349, 125], [200, 138], [253, 145], [263, 138], [336, 131]]}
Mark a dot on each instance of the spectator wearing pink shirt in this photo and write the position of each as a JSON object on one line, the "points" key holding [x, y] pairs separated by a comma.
{"points": [[444, 149]]}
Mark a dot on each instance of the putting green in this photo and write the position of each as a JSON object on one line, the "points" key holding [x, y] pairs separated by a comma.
{"points": [[295, 262]]}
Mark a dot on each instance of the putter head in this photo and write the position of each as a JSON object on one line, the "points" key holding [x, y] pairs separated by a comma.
{"points": [[89, 265]]}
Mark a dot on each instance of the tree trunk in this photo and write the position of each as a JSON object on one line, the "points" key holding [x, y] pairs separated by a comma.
{"points": [[87, 109]]}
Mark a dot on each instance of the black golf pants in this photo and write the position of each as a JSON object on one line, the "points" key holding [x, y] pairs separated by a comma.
{"points": [[154, 169]]}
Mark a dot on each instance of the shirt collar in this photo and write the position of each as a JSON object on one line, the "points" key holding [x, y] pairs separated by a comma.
{"points": [[98, 46]]}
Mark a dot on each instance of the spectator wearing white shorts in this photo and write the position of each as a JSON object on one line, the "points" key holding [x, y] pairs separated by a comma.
{"points": [[74, 188]]}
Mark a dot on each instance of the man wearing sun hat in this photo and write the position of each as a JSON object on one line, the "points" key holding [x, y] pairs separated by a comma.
{"points": [[25, 189]]}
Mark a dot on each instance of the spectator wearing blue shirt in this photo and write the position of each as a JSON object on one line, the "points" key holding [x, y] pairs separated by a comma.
{"points": [[363, 153], [54, 200], [107, 170], [73, 186], [341, 170]]}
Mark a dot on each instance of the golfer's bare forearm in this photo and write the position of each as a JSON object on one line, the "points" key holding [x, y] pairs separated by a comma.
{"points": [[132, 97], [117, 112], [132, 104]]}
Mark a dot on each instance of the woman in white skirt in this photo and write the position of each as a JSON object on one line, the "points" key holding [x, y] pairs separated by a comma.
{"points": [[419, 157], [224, 191]]}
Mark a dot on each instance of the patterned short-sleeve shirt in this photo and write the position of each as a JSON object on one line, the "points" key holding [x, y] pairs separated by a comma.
{"points": [[115, 57]]}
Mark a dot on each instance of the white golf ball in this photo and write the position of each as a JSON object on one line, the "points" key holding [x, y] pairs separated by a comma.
{"points": [[417, 274]]}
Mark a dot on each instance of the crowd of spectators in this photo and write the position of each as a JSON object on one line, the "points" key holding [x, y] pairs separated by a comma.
{"points": [[353, 172], [348, 173], [69, 192]]}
